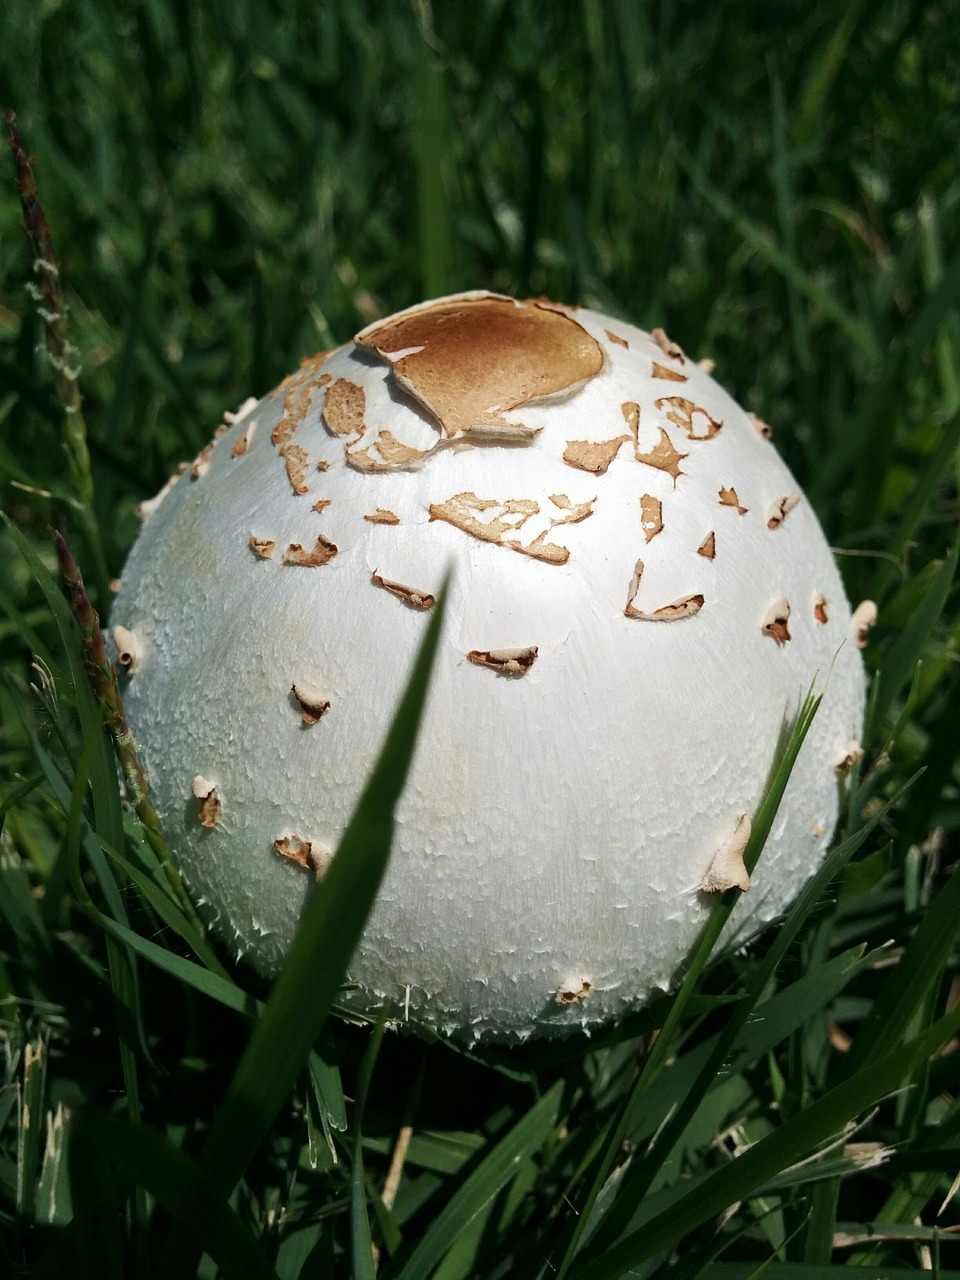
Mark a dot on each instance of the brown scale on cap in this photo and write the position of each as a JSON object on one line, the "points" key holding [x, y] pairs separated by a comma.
{"points": [[202, 461], [685, 607], [820, 608], [382, 516], [651, 515], [323, 465], [409, 595], [296, 405], [204, 791], [728, 498], [321, 505], [242, 443], [728, 869], [129, 650], [615, 337], [775, 623], [321, 553], [668, 347], [593, 455], [262, 547], [344, 409], [464, 509], [862, 622], [508, 662], [574, 992], [297, 462], [708, 547], [668, 374], [847, 756], [309, 854], [762, 428], [683, 413], [313, 705], [393, 453], [780, 509], [471, 360], [663, 456]]}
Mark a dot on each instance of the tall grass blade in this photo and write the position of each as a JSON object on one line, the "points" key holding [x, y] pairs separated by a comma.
{"points": [[315, 966]]}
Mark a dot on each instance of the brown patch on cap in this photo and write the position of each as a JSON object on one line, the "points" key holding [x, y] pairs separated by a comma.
{"points": [[728, 870], [708, 547], [470, 360], [762, 428], [509, 662], [382, 516], [262, 547], [206, 793], [682, 412], [820, 608], [575, 991], [780, 509], [309, 854], [670, 375], [651, 515], [668, 347], [129, 649], [592, 455], [615, 337], [296, 405], [393, 453], [409, 595], [728, 498], [862, 622], [663, 456], [295, 849], [775, 623], [297, 461], [847, 756], [202, 461], [575, 511], [322, 553], [323, 465], [242, 443], [321, 505], [463, 510], [313, 705], [685, 607], [344, 408]]}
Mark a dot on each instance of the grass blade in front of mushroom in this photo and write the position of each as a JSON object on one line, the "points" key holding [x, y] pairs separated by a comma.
{"points": [[692, 971], [683, 1097], [817, 1124], [314, 969]]}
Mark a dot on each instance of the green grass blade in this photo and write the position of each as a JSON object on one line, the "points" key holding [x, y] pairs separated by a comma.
{"points": [[147, 1159], [526, 1138], [663, 1045], [816, 1124], [923, 962], [318, 959], [96, 1202], [907, 650], [820, 295]]}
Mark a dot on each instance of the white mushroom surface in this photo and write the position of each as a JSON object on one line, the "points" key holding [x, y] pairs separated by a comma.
{"points": [[629, 636]]}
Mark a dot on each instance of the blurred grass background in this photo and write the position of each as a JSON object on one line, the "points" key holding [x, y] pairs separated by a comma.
{"points": [[234, 185]]}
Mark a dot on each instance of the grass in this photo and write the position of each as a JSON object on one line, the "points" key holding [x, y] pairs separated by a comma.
{"points": [[233, 186]]}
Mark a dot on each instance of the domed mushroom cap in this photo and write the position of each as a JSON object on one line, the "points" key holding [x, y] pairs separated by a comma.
{"points": [[640, 599]]}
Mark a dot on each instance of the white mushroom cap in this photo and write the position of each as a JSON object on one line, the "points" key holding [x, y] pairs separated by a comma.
{"points": [[628, 633]]}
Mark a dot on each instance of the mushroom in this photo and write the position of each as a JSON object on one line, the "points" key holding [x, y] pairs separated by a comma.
{"points": [[606, 706]]}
